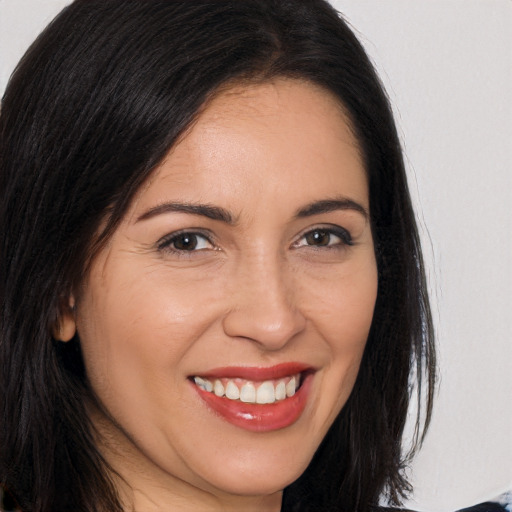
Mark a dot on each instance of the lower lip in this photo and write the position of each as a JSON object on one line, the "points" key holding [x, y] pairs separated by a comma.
{"points": [[259, 417]]}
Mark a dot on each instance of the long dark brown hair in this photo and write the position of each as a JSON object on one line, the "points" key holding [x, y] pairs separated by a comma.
{"points": [[94, 105]]}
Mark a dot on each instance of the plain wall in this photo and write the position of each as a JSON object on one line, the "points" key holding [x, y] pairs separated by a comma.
{"points": [[447, 66]]}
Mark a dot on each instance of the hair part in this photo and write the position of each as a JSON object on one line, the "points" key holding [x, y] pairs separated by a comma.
{"points": [[93, 107]]}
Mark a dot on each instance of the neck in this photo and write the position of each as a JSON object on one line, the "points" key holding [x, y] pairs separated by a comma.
{"points": [[171, 500]]}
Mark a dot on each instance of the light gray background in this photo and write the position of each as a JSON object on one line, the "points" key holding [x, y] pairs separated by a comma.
{"points": [[447, 66]]}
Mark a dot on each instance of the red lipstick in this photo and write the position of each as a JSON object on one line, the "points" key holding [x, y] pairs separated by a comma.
{"points": [[256, 373], [259, 417]]}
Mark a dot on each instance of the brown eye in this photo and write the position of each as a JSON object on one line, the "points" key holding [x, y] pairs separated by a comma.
{"points": [[334, 237], [319, 237], [185, 241]]}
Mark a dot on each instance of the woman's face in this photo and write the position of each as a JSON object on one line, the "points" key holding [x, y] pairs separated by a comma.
{"points": [[245, 266]]}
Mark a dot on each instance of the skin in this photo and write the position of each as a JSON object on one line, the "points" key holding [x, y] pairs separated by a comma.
{"points": [[258, 291]]}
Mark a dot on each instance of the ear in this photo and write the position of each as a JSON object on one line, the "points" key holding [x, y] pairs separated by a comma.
{"points": [[65, 326]]}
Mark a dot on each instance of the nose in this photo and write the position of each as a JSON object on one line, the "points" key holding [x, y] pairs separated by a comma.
{"points": [[264, 308]]}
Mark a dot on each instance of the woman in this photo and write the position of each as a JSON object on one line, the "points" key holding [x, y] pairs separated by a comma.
{"points": [[212, 287]]}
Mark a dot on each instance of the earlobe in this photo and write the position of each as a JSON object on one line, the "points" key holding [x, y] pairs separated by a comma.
{"points": [[65, 327]]}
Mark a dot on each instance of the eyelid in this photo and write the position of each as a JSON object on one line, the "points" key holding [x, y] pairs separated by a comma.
{"points": [[342, 233], [165, 243]]}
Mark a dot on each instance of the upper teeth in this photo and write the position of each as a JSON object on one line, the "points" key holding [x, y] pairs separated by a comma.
{"points": [[266, 392]]}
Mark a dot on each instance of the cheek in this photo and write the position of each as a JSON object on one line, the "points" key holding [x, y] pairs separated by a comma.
{"points": [[342, 312], [342, 305], [138, 325], [354, 318]]}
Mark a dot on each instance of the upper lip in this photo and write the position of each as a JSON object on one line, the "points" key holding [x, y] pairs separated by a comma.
{"points": [[257, 373]]}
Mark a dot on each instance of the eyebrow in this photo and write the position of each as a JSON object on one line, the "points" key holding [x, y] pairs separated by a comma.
{"points": [[205, 210], [223, 215], [331, 205]]}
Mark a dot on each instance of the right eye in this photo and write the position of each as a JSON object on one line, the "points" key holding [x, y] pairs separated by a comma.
{"points": [[185, 241]]}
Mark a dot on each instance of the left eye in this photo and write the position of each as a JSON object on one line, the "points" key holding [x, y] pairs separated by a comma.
{"points": [[186, 242], [323, 237]]}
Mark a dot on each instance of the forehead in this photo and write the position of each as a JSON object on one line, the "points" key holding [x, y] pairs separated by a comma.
{"points": [[268, 98], [282, 137], [291, 109]]}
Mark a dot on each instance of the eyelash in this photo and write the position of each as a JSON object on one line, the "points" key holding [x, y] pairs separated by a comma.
{"points": [[168, 242], [337, 231]]}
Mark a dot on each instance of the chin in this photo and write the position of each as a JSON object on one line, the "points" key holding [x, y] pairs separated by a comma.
{"points": [[255, 483], [249, 474]]}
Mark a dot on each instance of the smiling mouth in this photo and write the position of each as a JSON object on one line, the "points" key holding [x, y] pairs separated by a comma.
{"points": [[251, 392], [256, 399]]}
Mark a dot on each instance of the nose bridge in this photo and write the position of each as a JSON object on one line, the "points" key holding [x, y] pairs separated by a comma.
{"points": [[270, 287], [264, 305]]}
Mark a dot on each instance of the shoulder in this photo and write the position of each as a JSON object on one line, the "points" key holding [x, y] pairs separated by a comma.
{"points": [[482, 507], [502, 504], [488, 506]]}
